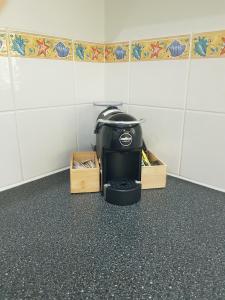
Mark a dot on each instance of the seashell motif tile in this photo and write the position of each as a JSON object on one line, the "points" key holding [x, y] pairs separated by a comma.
{"points": [[3, 44], [117, 52], [21, 44], [39, 46], [208, 44], [89, 52], [177, 47]]}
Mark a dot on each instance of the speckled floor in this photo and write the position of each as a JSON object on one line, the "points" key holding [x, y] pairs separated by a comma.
{"points": [[54, 245]]}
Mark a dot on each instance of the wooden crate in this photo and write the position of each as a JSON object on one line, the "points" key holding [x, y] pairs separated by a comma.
{"points": [[84, 180], [153, 177]]}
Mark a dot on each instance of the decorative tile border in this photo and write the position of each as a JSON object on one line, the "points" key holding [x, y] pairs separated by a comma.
{"points": [[21, 44], [117, 52], [208, 44], [39, 46], [3, 44], [177, 47], [89, 52]]}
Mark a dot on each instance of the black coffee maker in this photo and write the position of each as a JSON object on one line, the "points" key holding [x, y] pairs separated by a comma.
{"points": [[119, 150]]}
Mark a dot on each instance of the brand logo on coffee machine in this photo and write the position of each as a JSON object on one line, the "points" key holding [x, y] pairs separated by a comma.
{"points": [[125, 139]]}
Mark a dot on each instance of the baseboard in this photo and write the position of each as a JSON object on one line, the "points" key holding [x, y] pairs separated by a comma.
{"points": [[197, 182], [32, 179]]}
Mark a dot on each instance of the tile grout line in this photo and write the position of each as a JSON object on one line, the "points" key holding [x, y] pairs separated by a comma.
{"points": [[206, 111], [15, 112], [125, 103], [45, 107], [76, 104], [129, 71], [186, 93], [156, 107], [77, 123], [77, 126], [176, 108]]}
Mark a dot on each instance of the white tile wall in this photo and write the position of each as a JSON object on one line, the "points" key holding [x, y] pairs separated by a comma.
{"points": [[46, 94], [90, 82], [6, 99], [207, 85], [10, 171], [117, 82], [204, 148], [52, 113], [47, 138], [43, 82], [86, 136], [162, 92], [162, 132], [158, 83]]}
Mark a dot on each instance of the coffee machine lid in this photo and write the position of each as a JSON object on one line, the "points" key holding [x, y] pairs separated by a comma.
{"points": [[122, 117]]}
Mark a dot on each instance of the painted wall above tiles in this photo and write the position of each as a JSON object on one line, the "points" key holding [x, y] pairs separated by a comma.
{"points": [[204, 45]]}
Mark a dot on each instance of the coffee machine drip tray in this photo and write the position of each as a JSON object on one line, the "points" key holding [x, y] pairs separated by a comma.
{"points": [[122, 192]]}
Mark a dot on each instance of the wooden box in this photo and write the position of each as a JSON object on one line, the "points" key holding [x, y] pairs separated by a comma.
{"points": [[84, 180], [153, 177]]}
